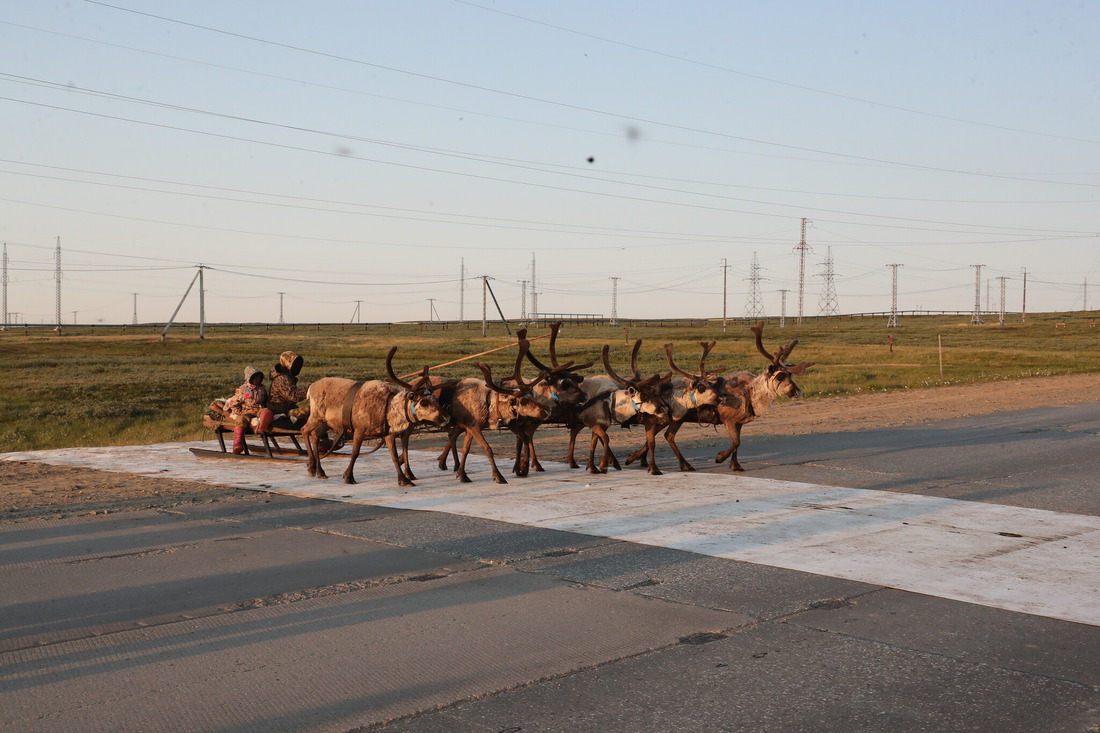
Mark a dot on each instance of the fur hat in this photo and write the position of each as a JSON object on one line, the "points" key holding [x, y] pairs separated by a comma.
{"points": [[251, 371], [289, 363]]}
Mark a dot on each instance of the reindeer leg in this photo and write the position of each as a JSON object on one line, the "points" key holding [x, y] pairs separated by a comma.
{"points": [[486, 449], [442, 460], [460, 466], [405, 457], [734, 429], [591, 465], [600, 433], [312, 452], [522, 463], [670, 437], [391, 444], [639, 454], [651, 449], [356, 444], [573, 431], [313, 443], [529, 438]]}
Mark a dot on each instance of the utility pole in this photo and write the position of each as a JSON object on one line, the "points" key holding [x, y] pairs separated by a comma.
{"points": [[828, 295], [1001, 320], [135, 307], [281, 307], [893, 322], [202, 305], [976, 318], [725, 275], [523, 301], [57, 278], [484, 306], [783, 308], [802, 248], [433, 315], [1023, 306], [4, 316], [754, 306], [462, 289], [355, 314], [614, 301], [534, 294]]}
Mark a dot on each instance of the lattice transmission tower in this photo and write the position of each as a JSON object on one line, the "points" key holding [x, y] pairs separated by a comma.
{"points": [[828, 305], [893, 322], [614, 301], [4, 280], [57, 276], [754, 306], [802, 249], [976, 319]]}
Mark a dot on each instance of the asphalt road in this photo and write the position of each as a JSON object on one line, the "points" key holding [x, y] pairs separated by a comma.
{"points": [[288, 614]]}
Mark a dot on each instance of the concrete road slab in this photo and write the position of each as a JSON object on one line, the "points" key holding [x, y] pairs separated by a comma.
{"points": [[782, 678], [382, 653], [1003, 556], [1023, 643], [147, 568]]}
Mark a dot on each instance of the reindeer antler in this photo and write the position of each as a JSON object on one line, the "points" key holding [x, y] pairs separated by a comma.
{"points": [[393, 377], [524, 349], [634, 359], [758, 331], [707, 346], [489, 380], [611, 372], [672, 366], [554, 328], [784, 352]]}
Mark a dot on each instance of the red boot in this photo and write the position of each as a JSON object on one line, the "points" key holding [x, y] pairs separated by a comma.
{"points": [[238, 440]]}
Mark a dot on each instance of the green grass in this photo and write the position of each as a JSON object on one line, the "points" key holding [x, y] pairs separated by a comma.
{"points": [[112, 386]]}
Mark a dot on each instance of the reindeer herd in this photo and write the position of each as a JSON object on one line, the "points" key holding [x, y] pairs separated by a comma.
{"points": [[559, 394]]}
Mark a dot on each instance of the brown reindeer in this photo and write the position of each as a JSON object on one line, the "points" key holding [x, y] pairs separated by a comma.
{"points": [[613, 400], [560, 389], [480, 404], [371, 409], [684, 396], [749, 395]]}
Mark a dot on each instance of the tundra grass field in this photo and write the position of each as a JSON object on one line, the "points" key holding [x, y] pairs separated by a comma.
{"points": [[117, 386]]}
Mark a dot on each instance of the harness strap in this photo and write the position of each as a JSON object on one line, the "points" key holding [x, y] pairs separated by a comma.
{"points": [[349, 400]]}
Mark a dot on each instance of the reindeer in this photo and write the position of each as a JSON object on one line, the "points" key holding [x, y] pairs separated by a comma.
{"points": [[560, 388], [371, 409], [476, 405], [749, 395], [684, 395], [613, 400]]}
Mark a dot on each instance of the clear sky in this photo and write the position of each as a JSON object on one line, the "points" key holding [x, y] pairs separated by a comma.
{"points": [[354, 155]]}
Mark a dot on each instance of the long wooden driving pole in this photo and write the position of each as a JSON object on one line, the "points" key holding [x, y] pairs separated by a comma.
{"points": [[472, 356]]}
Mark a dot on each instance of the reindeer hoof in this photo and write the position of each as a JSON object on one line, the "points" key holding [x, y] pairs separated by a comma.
{"points": [[463, 478], [349, 480], [499, 479]]}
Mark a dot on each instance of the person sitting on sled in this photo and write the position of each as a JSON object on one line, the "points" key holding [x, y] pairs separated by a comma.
{"points": [[285, 392], [249, 405]]}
